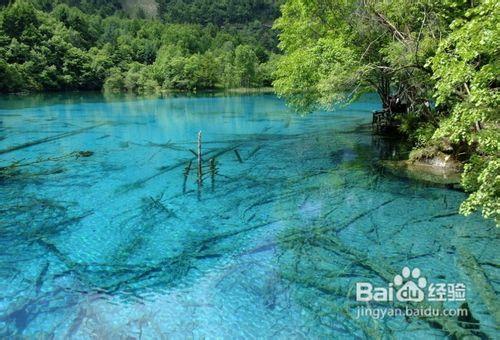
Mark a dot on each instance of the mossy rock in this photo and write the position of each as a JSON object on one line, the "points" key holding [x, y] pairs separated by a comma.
{"points": [[423, 171]]}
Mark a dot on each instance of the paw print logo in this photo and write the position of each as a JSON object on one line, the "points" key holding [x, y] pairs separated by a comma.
{"points": [[410, 285]]}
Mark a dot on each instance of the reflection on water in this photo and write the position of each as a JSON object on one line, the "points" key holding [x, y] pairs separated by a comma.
{"points": [[109, 228]]}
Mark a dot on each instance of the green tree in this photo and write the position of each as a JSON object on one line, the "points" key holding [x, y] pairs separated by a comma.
{"points": [[10, 77], [18, 17], [413, 51], [245, 62], [115, 81], [466, 68], [336, 50]]}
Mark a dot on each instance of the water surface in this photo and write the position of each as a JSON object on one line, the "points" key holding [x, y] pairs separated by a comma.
{"points": [[107, 230]]}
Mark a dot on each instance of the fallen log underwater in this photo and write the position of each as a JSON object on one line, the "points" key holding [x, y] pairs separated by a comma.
{"points": [[205, 249], [476, 274], [119, 278], [49, 139], [15, 172], [325, 238]]}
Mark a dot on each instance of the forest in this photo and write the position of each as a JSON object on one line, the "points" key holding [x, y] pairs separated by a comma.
{"points": [[434, 64], [140, 47]]}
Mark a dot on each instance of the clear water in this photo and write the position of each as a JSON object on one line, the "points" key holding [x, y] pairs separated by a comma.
{"points": [[292, 211]]}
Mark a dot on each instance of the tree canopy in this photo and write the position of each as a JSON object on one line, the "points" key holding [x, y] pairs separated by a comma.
{"points": [[467, 74], [439, 59], [89, 45]]}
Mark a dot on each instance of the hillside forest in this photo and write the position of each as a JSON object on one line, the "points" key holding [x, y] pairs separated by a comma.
{"points": [[140, 47]]}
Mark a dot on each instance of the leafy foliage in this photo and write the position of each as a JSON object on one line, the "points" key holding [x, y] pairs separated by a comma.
{"points": [[336, 50], [222, 12], [88, 45], [466, 70], [438, 59]]}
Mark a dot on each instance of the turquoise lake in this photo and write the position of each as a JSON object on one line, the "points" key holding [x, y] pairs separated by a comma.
{"points": [[109, 231]]}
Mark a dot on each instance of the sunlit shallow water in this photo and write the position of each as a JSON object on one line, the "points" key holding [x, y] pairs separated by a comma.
{"points": [[107, 231]]}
